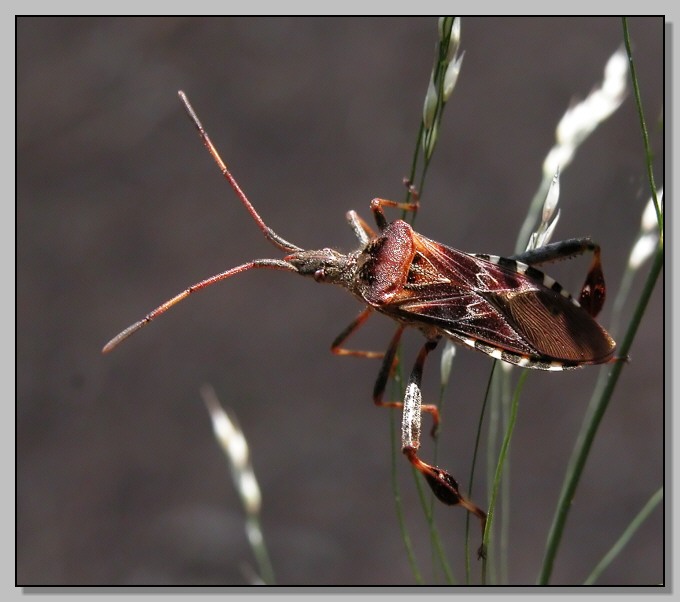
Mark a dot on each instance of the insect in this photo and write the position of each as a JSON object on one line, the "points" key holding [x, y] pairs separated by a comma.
{"points": [[503, 307]]}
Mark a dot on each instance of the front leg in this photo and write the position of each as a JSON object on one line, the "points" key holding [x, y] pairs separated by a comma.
{"points": [[361, 229], [379, 215], [336, 346]]}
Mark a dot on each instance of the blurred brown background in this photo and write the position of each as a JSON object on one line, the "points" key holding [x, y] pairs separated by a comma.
{"points": [[119, 479]]}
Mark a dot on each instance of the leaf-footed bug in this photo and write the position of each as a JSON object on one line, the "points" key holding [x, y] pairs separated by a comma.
{"points": [[501, 306]]}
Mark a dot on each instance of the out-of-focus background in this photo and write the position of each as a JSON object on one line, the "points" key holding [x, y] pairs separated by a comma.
{"points": [[119, 478]]}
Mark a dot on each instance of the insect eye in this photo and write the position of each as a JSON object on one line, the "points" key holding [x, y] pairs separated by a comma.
{"points": [[320, 275]]}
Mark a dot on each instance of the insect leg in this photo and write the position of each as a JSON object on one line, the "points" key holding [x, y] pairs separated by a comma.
{"points": [[377, 209], [383, 375], [412, 190], [443, 485], [593, 291], [555, 251], [345, 334], [360, 228]]}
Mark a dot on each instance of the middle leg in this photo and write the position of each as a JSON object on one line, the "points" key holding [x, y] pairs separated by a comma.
{"points": [[384, 374]]}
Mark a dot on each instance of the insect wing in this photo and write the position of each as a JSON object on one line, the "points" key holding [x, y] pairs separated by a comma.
{"points": [[502, 307]]}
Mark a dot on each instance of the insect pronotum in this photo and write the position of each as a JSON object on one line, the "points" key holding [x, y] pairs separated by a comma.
{"points": [[503, 307]]}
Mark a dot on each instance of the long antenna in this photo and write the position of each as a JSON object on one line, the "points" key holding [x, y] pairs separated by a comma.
{"points": [[275, 239], [272, 236], [275, 264]]}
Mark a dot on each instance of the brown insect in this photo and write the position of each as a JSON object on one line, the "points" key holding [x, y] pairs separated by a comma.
{"points": [[503, 307]]}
